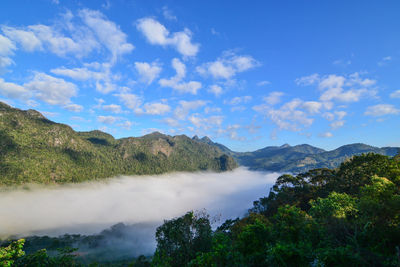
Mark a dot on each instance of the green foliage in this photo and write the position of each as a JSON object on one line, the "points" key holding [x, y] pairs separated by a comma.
{"points": [[344, 217], [9, 254], [179, 239], [36, 150]]}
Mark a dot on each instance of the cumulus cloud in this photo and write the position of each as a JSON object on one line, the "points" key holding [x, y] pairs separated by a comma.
{"points": [[227, 66], [176, 82], [109, 34], [6, 50], [206, 123], [215, 89], [56, 42], [157, 34], [382, 110], [240, 100], [131, 101], [71, 36], [156, 108], [14, 91], [312, 106], [148, 72], [113, 108], [27, 39], [350, 88], [54, 91], [107, 119], [185, 107], [287, 117], [273, 98], [74, 107], [337, 124], [98, 75]]}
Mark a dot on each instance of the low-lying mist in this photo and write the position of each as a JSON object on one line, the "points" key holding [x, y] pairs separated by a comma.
{"points": [[144, 201]]}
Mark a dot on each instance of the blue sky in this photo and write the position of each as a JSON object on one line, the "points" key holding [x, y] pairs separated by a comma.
{"points": [[248, 74]]}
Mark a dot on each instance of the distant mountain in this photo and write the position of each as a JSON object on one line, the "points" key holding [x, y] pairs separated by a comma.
{"points": [[34, 149], [299, 158]]}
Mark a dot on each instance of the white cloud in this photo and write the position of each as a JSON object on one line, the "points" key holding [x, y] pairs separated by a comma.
{"points": [[6, 50], [333, 88], [337, 124], [216, 90], [167, 13], [51, 90], [175, 81], [312, 106], [107, 119], [26, 39], [157, 34], [384, 61], [186, 106], [340, 114], [107, 32], [131, 101], [326, 135], [148, 72], [156, 108], [381, 110], [263, 83], [62, 45], [308, 80], [273, 98], [206, 124], [240, 99], [395, 94], [99, 75], [126, 125], [14, 91], [288, 116], [73, 107], [227, 66], [113, 108]]}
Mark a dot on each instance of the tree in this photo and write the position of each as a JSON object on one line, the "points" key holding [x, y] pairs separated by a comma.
{"points": [[179, 239]]}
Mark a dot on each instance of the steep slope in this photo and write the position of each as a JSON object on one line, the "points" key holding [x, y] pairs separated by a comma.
{"points": [[35, 149]]}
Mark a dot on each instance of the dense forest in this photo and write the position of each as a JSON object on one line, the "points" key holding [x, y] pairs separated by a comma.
{"points": [[34, 149], [349, 216]]}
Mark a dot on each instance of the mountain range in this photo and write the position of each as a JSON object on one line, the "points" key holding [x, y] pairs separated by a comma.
{"points": [[299, 158], [34, 149]]}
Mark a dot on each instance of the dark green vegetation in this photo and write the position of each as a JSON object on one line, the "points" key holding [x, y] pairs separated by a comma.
{"points": [[300, 158], [34, 149], [349, 216]]}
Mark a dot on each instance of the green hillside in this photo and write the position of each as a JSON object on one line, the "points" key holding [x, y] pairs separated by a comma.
{"points": [[34, 149]]}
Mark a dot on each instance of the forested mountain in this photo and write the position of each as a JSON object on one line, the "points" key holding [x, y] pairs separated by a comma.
{"points": [[35, 149], [299, 158]]}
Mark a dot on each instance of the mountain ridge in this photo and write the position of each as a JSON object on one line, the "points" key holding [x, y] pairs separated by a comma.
{"points": [[303, 157], [34, 149]]}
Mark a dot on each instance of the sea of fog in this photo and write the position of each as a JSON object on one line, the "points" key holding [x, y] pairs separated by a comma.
{"points": [[144, 201]]}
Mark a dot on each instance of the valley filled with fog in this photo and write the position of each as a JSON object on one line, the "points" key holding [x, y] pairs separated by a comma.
{"points": [[142, 202]]}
